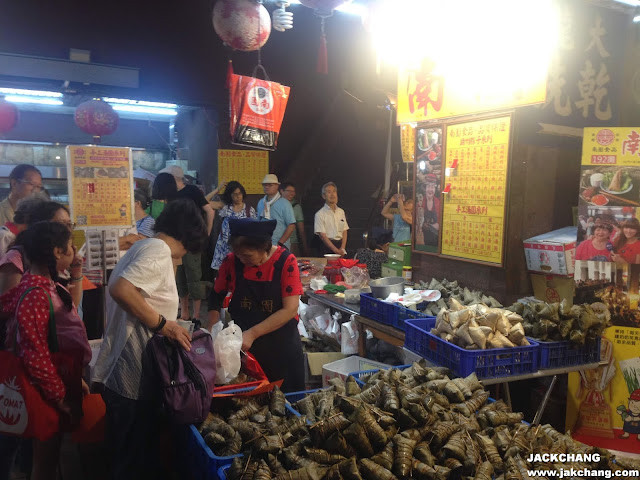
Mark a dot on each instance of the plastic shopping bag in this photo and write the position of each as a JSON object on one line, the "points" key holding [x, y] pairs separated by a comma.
{"points": [[349, 337], [227, 347], [252, 368]]}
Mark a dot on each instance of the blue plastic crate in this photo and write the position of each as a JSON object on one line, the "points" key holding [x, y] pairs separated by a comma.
{"points": [[222, 472], [199, 462], [567, 354], [388, 313], [293, 397], [490, 363], [364, 373]]}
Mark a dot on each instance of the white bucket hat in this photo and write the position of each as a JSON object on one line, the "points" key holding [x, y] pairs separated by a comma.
{"points": [[270, 178]]}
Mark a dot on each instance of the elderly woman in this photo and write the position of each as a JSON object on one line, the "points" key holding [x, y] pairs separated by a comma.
{"points": [[143, 300], [599, 247], [265, 284]]}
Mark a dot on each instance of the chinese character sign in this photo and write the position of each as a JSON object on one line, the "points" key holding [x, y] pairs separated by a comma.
{"points": [[408, 142], [245, 166], [100, 186], [423, 95], [477, 160]]}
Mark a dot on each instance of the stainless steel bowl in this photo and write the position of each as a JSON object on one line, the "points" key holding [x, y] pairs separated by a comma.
{"points": [[382, 287]]}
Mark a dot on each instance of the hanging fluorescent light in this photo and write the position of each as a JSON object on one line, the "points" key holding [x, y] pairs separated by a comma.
{"points": [[143, 109], [29, 93], [27, 99], [352, 8]]}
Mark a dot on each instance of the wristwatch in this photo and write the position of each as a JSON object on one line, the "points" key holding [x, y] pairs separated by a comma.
{"points": [[161, 323]]}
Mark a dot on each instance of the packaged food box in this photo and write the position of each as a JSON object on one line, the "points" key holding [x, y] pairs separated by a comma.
{"points": [[553, 252], [553, 288]]}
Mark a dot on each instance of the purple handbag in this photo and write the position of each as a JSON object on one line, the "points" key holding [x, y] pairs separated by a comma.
{"points": [[185, 379]]}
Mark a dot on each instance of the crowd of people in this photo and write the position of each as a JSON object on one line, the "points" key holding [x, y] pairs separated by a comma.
{"points": [[158, 280]]}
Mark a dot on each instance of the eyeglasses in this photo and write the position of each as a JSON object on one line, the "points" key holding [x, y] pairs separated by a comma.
{"points": [[34, 185], [70, 225]]}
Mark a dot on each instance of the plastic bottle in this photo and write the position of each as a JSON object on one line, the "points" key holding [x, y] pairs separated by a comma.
{"points": [[407, 274]]}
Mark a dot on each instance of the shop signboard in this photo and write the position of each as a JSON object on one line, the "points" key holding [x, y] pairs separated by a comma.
{"points": [[584, 84], [408, 142], [428, 191], [475, 186], [100, 186], [604, 403], [425, 95], [245, 166]]}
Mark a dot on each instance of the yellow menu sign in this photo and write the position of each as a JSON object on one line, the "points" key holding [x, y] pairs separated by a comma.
{"points": [[477, 157], [610, 147], [245, 166], [408, 142], [100, 186]]}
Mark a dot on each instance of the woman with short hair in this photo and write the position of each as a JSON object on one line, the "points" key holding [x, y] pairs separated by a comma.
{"points": [[265, 284]]}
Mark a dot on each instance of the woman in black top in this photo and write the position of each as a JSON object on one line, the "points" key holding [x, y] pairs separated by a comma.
{"points": [[376, 253]]}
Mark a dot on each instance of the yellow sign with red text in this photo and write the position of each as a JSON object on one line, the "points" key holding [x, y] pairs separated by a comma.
{"points": [[245, 166], [619, 146], [424, 95], [100, 186], [408, 142], [475, 186]]}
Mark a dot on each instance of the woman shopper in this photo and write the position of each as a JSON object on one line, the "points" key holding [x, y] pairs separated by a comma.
{"points": [[377, 251], [49, 248], [234, 207], [144, 221], [626, 247], [265, 284], [142, 300], [24, 180], [403, 220]]}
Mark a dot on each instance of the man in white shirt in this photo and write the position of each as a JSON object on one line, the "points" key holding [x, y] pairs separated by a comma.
{"points": [[330, 223]]}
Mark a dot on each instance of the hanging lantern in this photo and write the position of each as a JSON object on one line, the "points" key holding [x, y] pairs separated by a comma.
{"points": [[323, 9], [97, 118], [8, 115], [242, 24]]}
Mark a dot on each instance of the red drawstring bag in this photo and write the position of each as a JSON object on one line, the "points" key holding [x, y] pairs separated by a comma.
{"points": [[252, 367], [23, 411]]}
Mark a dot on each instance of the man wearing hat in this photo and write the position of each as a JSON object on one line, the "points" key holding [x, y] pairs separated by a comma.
{"points": [[274, 207], [189, 274]]}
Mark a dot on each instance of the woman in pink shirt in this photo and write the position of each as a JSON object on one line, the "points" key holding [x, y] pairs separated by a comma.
{"points": [[627, 246], [598, 248]]}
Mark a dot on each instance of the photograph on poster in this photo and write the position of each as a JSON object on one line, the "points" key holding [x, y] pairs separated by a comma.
{"points": [[427, 204]]}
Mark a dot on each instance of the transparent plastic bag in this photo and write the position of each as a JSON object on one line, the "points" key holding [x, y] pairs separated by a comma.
{"points": [[226, 347], [349, 337], [355, 277]]}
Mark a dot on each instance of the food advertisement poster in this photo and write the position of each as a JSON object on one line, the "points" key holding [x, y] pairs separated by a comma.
{"points": [[245, 166], [100, 186], [474, 207], [428, 181], [424, 94], [604, 404]]}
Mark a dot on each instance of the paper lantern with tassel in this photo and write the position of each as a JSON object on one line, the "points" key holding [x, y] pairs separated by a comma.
{"points": [[323, 9], [8, 115], [96, 118], [242, 24]]}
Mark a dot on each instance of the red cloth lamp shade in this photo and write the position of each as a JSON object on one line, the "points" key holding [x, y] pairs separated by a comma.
{"points": [[96, 118], [242, 24], [8, 115]]}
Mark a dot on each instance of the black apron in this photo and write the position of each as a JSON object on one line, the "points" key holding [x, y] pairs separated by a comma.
{"points": [[279, 352]]}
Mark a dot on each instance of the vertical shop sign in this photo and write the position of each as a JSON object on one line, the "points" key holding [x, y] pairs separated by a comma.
{"points": [[477, 161], [602, 406], [585, 74], [100, 186], [408, 142], [245, 166]]}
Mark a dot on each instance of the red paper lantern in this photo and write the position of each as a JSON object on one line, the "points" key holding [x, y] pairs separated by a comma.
{"points": [[242, 24], [96, 118], [8, 115]]}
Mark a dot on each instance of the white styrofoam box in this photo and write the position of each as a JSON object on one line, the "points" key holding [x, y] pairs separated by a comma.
{"points": [[552, 252], [342, 368]]}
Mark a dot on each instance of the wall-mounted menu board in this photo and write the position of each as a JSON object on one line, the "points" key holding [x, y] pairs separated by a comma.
{"points": [[100, 186], [474, 211], [245, 166]]}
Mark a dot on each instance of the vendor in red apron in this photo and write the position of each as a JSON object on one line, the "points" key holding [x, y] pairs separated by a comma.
{"points": [[264, 281]]}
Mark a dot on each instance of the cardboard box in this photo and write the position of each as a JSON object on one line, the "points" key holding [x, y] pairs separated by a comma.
{"points": [[342, 368], [552, 252], [401, 252], [313, 363], [553, 288]]}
